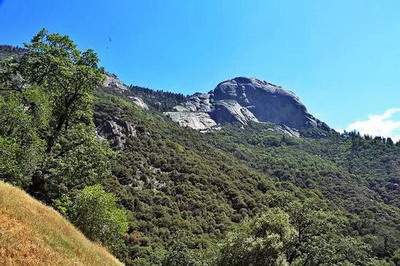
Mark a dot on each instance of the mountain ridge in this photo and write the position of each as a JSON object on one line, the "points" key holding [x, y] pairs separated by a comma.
{"points": [[243, 100], [238, 100]]}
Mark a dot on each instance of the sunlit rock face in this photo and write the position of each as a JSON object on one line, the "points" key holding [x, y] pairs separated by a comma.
{"points": [[112, 83], [116, 131], [196, 120], [241, 100]]}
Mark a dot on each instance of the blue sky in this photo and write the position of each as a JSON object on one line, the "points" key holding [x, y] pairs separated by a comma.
{"points": [[342, 58]]}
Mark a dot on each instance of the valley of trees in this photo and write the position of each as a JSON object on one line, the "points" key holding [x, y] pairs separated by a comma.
{"points": [[175, 196]]}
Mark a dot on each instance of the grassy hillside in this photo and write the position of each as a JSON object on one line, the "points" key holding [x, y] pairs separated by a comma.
{"points": [[33, 234]]}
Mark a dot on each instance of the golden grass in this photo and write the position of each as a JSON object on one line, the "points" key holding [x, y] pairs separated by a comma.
{"points": [[34, 234]]}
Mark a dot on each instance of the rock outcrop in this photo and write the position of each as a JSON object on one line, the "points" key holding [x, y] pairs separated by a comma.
{"points": [[196, 120], [113, 83], [139, 102], [117, 131], [243, 100]]}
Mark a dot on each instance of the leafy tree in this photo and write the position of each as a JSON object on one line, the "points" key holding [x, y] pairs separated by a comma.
{"points": [[179, 255], [396, 257], [307, 237], [67, 75], [22, 113], [47, 136], [262, 241], [98, 216], [321, 236], [79, 159]]}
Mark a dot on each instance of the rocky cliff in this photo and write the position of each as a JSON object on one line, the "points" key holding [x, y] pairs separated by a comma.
{"points": [[243, 100]]}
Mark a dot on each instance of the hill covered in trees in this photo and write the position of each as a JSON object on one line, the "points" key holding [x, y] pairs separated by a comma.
{"points": [[156, 193]]}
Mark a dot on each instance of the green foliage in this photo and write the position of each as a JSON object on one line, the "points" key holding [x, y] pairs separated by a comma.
{"points": [[21, 147], [179, 255], [79, 159], [68, 77], [322, 236], [262, 241], [396, 257], [306, 237], [96, 213], [47, 135], [181, 181], [159, 100]]}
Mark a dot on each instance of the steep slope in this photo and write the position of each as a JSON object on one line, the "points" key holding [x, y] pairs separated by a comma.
{"points": [[357, 174], [184, 186], [33, 234], [243, 100]]}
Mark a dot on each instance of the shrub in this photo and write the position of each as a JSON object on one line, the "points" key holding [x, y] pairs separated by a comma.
{"points": [[97, 214]]}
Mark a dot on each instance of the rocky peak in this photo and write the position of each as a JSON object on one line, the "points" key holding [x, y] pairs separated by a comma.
{"points": [[243, 100], [238, 87], [114, 84]]}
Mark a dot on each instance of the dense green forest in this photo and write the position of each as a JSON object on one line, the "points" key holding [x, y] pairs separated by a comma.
{"points": [[174, 196]]}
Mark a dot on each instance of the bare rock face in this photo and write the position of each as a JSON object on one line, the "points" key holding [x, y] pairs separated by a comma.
{"points": [[117, 131], [229, 111], [113, 83], [196, 120], [243, 100], [267, 102], [139, 102]]}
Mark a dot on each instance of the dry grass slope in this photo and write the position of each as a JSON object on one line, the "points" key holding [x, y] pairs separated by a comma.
{"points": [[34, 234]]}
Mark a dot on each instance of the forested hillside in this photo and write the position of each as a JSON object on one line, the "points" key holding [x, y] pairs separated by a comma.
{"points": [[168, 195]]}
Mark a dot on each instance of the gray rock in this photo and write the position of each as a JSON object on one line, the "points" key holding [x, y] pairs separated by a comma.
{"points": [[196, 120], [116, 131], [139, 102], [286, 130], [229, 111], [114, 84], [243, 100], [199, 102]]}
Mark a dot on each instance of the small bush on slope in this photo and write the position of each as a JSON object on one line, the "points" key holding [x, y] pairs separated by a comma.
{"points": [[33, 234], [97, 214]]}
